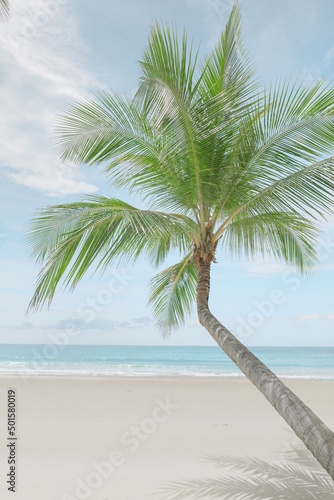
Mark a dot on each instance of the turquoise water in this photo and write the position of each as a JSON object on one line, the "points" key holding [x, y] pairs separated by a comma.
{"points": [[293, 362]]}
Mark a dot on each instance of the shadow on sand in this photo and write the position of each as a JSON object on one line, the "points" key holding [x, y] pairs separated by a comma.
{"points": [[297, 477]]}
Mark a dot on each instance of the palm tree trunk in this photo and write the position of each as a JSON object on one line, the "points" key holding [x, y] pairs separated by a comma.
{"points": [[316, 436]]}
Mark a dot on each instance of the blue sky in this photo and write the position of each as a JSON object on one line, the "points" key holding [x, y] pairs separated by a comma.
{"points": [[54, 51]]}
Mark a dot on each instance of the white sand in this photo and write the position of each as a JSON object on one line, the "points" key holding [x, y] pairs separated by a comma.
{"points": [[66, 425]]}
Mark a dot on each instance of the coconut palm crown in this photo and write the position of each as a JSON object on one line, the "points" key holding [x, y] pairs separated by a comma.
{"points": [[223, 164]]}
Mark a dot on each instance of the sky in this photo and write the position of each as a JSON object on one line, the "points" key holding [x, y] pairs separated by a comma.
{"points": [[55, 51]]}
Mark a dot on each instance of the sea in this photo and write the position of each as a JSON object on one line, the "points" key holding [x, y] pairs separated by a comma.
{"points": [[315, 363]]}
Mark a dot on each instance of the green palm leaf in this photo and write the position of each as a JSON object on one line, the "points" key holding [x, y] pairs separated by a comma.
{"points": [[309, 190], [294, 129], [286, 236], [172, 296], [117, 132], [166, 85], [70, 238], [228, 68]]}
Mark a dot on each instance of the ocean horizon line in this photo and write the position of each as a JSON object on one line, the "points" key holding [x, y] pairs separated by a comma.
{"points": [[163, 346]]}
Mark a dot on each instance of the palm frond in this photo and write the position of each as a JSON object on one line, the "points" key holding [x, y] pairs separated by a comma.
{"points": [[117, 133], [228, 68], [172, 295], [165, 87], [294, 129], [68, 239], [309, 190], [286, 236], [169, 59]]}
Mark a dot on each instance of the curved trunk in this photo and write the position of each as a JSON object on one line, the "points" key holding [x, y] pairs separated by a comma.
{"points": [[316, 436]]}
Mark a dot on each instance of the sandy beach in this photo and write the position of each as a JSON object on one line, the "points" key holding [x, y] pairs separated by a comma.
{"points": [[128, 439]]}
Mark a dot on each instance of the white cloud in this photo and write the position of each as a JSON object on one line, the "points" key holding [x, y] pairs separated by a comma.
{"points": [[312, 317], [265, 266], [97, 324], [42, 57], [54, 181]]}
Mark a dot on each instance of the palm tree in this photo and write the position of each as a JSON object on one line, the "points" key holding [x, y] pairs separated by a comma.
{"points": [[222, 163], [4, 9]]}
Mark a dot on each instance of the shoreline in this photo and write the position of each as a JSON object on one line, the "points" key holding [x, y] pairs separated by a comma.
{"points": [[209, 363], [92, 376]]}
